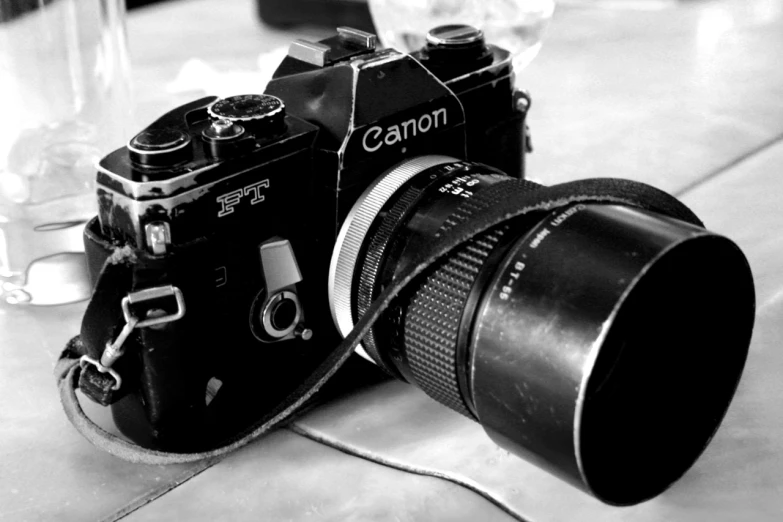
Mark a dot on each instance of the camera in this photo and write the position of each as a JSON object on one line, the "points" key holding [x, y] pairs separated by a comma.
{"points": [[260, 228]]}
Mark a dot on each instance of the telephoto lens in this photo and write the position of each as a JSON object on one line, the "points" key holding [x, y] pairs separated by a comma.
{"points": [[601, 342]]}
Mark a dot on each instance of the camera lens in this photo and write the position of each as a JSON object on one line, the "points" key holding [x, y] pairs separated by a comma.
{"points": [[602, 342]]}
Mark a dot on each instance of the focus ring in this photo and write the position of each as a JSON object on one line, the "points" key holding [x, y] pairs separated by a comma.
{"points": [[433, 319], [436, 310]]}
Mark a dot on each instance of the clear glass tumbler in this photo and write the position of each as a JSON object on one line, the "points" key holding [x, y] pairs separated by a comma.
{"points": [[64, 82], [517, 25]]}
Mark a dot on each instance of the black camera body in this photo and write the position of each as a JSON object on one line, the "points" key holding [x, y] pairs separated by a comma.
{"points": [[240, 202]]}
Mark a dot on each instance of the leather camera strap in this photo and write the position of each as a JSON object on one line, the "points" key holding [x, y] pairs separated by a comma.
{"points": [[499, 209]]}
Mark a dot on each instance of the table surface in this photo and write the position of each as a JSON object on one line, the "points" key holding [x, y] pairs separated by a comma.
{"points": [[687, 96]]}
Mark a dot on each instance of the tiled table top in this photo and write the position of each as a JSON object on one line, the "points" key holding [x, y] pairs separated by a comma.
{"points": [[688, 97]]}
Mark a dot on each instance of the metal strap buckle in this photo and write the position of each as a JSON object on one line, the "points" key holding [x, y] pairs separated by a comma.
{"points": [[86, 359], [114, 350], [149, 294]]}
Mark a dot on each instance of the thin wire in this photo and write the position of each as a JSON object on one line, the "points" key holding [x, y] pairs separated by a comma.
{"points": [[416, 470]]}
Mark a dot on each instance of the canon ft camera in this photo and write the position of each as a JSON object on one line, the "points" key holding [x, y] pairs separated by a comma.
{"points": [[238, 240]]}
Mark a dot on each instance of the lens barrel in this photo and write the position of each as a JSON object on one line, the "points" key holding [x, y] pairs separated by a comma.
{"points": [[601, 342]]}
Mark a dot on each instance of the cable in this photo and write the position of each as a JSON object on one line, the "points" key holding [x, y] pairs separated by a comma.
{"points": [[391, 463]]}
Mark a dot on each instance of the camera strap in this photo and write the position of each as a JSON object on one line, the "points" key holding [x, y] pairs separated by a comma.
{"points": [[501, 203]]}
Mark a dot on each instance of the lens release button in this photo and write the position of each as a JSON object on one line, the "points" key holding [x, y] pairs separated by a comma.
{"points": [[283, 314], [280, 315]]}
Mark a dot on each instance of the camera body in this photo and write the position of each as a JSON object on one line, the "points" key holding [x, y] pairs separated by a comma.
{"points": [[238, 203]]}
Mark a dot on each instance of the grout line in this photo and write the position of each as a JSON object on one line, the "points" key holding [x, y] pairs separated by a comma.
{"points": [[407, 468], [142, 500], [730, 165]]}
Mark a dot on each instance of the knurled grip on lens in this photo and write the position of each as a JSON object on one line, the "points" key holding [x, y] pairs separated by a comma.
{"points": [[433, 317], [436, 310]]}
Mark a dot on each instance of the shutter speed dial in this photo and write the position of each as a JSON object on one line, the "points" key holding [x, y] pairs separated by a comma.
{"points": [[261, 114]]}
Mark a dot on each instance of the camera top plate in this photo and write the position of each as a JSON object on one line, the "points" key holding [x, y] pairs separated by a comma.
{"points": [[199, 167]]}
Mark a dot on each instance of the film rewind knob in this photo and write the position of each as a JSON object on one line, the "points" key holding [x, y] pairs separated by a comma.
{"points": [[160, 147]]}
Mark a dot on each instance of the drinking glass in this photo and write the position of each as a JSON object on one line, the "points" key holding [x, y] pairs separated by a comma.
{"points": [[517, 25], [64, 82]]}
